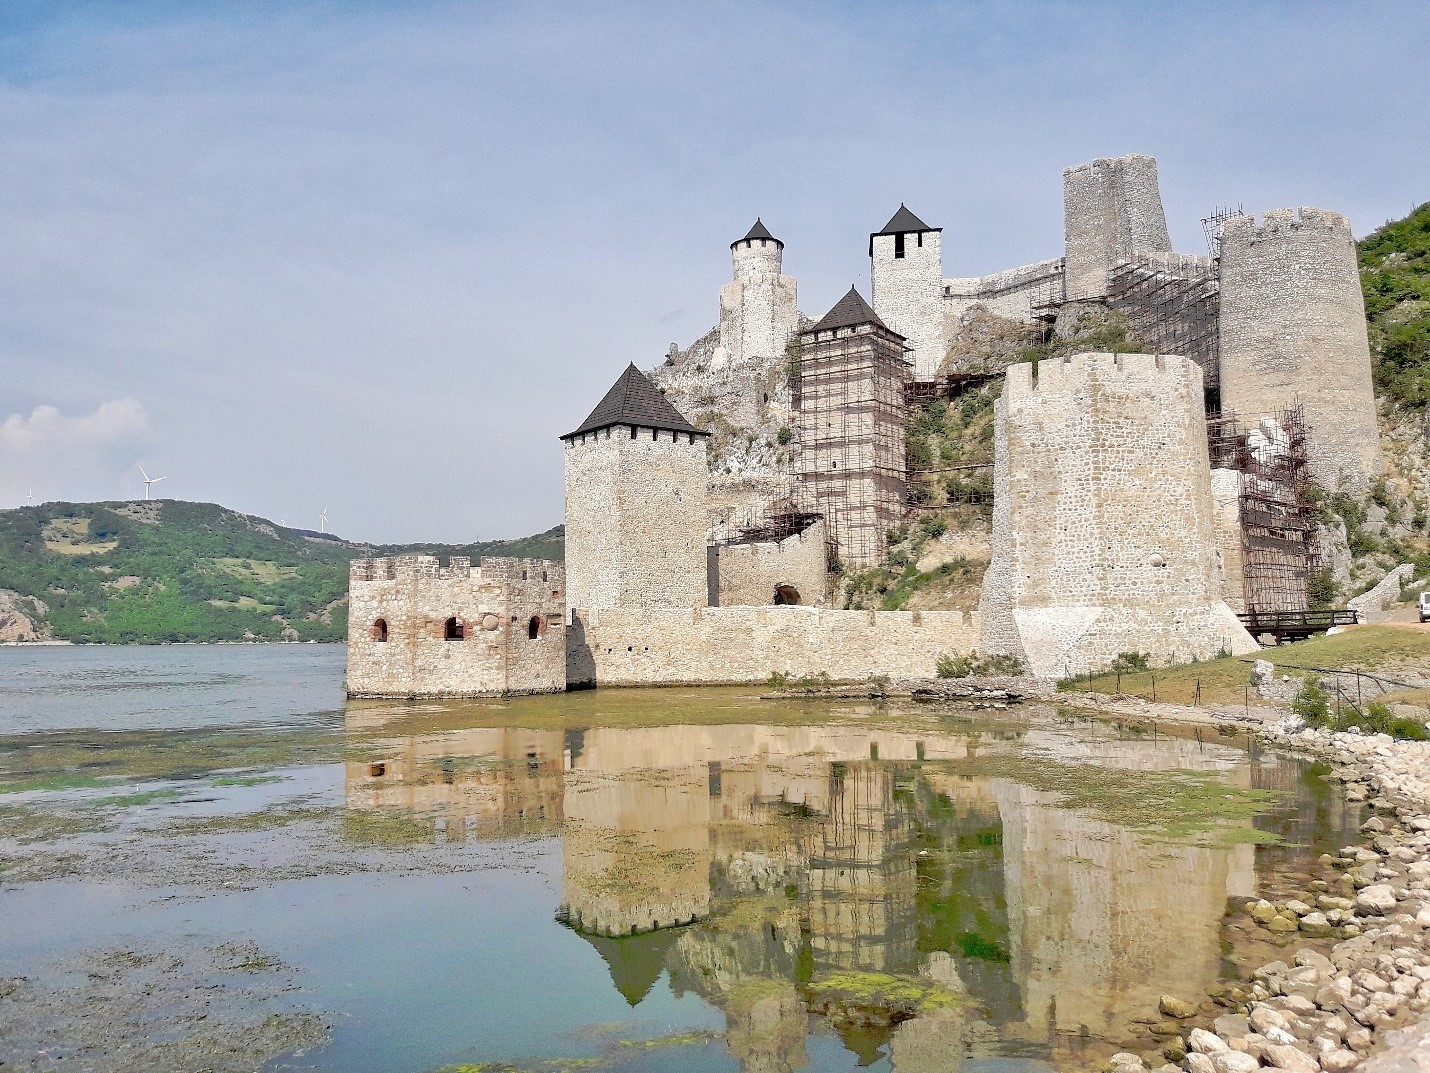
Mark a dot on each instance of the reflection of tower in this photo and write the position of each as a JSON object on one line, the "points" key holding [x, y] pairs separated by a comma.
{"points": [[637, 850], [480, 782], [861, 874]]}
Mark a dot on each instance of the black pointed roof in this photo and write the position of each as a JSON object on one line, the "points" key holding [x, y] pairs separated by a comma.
{"points": [[903, 222], [758, 231], [849, 311], [635, 961], [634, 400]]}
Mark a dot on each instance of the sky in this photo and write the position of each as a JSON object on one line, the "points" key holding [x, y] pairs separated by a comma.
{"points": [[376, 257]]}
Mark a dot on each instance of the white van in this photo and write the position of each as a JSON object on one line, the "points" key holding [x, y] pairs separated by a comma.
{"points": [[1425, 607]]}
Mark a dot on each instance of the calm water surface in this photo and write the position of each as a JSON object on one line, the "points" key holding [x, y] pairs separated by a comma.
{"points": [[1034, 881]]}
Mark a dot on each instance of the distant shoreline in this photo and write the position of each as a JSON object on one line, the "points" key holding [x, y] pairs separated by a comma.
{"points": [[152, 644]]}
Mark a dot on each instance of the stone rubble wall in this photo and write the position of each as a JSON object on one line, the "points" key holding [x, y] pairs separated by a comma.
{"points": [[1112, 209], [1293, 330], [1011, 293], [636, 519], [908, 296], [1104, 538], [494, 603], [1386, 591], [749, 644], [748, 573]]}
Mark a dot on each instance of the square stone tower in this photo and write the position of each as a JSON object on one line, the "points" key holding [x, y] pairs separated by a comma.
{"points": [[758, 308], [1104, 531], [636, 478], [852, 419], [1112, 208], [906, 274]]}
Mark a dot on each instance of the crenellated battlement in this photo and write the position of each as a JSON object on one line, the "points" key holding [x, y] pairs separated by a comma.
{"points": [[1164, 374], [1285, 224], [458, 568], [1111, 163]]}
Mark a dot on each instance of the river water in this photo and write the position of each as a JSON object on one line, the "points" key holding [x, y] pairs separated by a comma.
{"points": [[682, 879]]}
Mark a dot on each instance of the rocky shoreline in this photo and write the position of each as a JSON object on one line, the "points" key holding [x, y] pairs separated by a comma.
{"points": [[1365, 1004]]}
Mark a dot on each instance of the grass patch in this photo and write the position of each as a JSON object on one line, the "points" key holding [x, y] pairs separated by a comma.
{"points": [[869, 996], [388, 828], [261, 820], [143, 797], [246, 780], [1224, 680], [26, 825], [677, 1039]]}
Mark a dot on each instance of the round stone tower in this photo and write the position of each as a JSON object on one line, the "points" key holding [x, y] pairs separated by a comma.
{"points": [[906, 274], [1293, 331], [758, 308]]}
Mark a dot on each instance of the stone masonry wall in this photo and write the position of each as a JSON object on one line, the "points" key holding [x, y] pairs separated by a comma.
{"points": [[749, 572], [636, 519], [498, 606], [1104, 539], [1112, 208], [758, 308], [1293, 330], [1009, 294], [908, 296], [1226, 514], [748, 644]]}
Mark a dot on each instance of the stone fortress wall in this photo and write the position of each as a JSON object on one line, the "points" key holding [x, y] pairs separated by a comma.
{"points": [[1104, 538], [650, 646], [1013, 294], [748, 575], [636, 519], [1292, 329], [418, 629]]}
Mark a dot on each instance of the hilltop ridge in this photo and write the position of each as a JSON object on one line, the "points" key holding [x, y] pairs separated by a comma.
{"points": [[167, 570]]}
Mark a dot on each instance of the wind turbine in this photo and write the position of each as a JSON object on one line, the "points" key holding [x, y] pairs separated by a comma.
{"points": [[323, 521], [148, 480], [30, 497]]}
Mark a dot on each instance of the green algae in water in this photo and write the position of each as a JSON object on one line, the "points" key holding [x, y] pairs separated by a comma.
{"points": [[899, 996], [265, 819], [27, 825], [388, 828], [677, 1039], [1177, 804]]}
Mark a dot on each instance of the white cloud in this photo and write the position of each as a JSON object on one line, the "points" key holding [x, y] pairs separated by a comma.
{"points": [[65, 456]]}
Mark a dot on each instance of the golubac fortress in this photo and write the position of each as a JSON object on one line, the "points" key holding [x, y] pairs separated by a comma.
{"points": [[1141, 501]]}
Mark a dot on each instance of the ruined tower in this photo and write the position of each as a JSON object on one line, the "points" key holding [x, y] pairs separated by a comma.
{"points": [[758, 314], [906, 272], [636, 476], [1112, 208], [1293, 331], [1104, 536], [851, 427]]}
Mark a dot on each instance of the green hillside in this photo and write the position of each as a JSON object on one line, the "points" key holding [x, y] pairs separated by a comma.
{"points": [[166, 570], [1395, 275]]}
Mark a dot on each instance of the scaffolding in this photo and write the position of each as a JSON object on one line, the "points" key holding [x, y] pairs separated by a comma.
{"points": [[1278, 526], [1173, 304], [1212, 226], [850, 463]]}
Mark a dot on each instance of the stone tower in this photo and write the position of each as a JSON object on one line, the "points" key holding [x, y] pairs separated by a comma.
{"points": [[1112, 208], [1293, 330], [906, 270], [852, 427], [636, 476], [758, 314], [1104, 535]]}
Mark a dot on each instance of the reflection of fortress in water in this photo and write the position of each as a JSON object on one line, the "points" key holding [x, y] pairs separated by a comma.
{"points": [[795, 852]]}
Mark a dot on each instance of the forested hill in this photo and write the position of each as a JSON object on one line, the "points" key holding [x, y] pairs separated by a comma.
{"points": [[167, 570], [1395, 275]]}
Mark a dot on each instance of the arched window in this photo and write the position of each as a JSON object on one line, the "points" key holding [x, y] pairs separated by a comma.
{"points": [[454, 630], [786, 594], [536, 627], [379, 630]]}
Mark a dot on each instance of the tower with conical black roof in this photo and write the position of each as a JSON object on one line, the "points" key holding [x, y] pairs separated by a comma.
{"points": [[852, 419], [758, 313], [906, 270], [636, 523]]}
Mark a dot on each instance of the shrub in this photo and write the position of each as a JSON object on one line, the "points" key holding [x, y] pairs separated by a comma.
{"points": [[1127, 662], [1321, 589], [972, 665], [1379, 719], [784, 435], [1311, 703]]}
